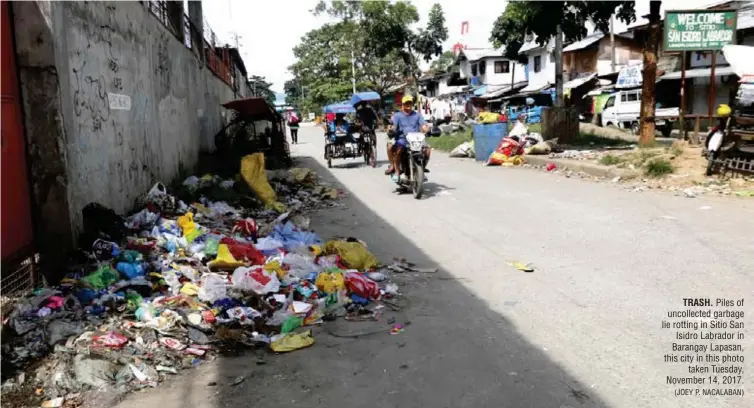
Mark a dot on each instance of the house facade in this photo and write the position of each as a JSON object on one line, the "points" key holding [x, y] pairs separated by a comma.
{"points": [[540, 69], [487, 66], [592, 55]]}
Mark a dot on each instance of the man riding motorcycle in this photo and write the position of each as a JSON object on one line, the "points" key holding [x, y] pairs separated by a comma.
{"points": [[405, 121]]}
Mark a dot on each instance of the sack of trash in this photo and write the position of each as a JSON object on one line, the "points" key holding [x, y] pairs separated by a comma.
{"points": [[462, 150]]}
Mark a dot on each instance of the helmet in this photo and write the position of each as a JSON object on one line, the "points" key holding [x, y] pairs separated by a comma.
{"points": [[723, 110], [406, 99]]}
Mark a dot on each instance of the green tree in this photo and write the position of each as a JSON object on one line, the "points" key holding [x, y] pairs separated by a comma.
{"points": [[261, 88], [443, 63], [385, 29]]}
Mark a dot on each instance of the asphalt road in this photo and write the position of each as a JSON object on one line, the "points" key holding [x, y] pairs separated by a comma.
{"points": [[583, 330]]}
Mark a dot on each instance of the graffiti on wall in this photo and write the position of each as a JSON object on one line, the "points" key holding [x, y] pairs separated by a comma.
{"points": [[90, 102]]}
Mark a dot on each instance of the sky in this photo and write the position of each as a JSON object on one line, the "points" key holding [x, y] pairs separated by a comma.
{"points": [[269, 29]]}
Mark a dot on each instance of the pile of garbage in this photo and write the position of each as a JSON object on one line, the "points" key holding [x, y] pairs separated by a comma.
{"points": [[175, 284]]}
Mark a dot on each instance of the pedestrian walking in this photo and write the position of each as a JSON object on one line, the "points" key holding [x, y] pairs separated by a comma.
{"points": [[293, 124]]}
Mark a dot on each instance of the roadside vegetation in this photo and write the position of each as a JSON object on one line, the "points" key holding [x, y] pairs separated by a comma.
{"points": [[448, 142]]}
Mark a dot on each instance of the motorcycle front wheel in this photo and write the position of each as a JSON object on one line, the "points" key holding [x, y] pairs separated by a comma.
{"points": [[417, 184]]}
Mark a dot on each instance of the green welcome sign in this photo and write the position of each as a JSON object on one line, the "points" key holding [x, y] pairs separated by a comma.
{"points": [[699, 30]]}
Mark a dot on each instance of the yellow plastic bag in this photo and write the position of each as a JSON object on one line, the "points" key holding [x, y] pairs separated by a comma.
{"points": [[190, 289], [253, 173], [275, 267], [224, 259], [488, 117], [330, 282], [292, 341], [353, 254], [187, 224]]}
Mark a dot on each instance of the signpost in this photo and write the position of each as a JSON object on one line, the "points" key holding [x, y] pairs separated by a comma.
{"points": [[698, 30]]}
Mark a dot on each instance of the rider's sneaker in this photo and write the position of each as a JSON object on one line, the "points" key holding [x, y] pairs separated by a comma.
{"points": [[426, 170], [395, 178]]}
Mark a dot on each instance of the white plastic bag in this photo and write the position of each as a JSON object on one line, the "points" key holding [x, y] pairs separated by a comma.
{"points": [[255, 279], [300, 265], [213, 287]]}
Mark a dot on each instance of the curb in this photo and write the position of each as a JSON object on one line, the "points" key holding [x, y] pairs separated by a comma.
{"points": [[579, 165]]}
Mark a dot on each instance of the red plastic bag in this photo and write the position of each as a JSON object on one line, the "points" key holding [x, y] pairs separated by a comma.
{"points": [[362, 286], [247, 227], [244, 251]]}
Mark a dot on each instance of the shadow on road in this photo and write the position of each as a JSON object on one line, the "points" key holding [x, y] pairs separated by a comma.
{"points": [[455, 351]]}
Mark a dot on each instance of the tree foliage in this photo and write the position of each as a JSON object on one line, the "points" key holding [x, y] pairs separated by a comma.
{"points": [[540, 20], [386, 49], [443, 63], [261, 88]]}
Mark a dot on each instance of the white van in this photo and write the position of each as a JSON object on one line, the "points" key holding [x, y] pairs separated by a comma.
{"points": [[622, 109]]}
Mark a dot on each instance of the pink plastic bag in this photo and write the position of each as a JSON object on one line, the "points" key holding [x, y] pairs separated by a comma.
{"points": [[111, 339], [362, 286]]}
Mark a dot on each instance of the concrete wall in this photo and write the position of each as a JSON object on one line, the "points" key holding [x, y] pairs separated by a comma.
{"points": [[113, 102]]}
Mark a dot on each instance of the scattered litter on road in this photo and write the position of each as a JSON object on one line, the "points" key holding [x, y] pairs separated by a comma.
{"points": [[521, 266], [215, 266]]}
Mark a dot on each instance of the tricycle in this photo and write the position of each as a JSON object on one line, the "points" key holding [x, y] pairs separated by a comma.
{"points": [[342, 140]]}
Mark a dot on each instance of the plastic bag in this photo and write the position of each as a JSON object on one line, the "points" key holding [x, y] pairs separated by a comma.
{"points": [[101, 278], [213, 287], [186, 222], [244, 251], [300, 266], [130, 270], [253, 173], [361, 285], [224, 259], [255, 279], [330, 282], [292, 341], [353, 254], [246, 228]]}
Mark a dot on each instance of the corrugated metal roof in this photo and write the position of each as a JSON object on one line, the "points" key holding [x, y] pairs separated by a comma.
{"points": [[585, 42], [575, 83]]}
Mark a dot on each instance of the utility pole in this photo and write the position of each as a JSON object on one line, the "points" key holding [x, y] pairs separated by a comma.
{"points": [[612, 43], [559, 67], [353, 72]]}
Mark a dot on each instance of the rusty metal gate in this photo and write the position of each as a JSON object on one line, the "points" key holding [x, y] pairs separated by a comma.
{"points": [[16, 222]]}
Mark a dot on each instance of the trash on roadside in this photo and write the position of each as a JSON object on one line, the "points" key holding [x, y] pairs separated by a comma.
{"points": [[292, 341], [183, 279]]}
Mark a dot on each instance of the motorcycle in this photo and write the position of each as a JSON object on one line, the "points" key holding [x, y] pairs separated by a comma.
{"points": [[413, 161]]}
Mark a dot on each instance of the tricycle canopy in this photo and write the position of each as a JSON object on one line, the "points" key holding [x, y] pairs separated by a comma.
{"points": [[364, 97], [342, 107]]}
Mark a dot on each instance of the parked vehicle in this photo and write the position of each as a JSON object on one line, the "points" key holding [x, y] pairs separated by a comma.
{"points": [[412, 164], [622, 110]]}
